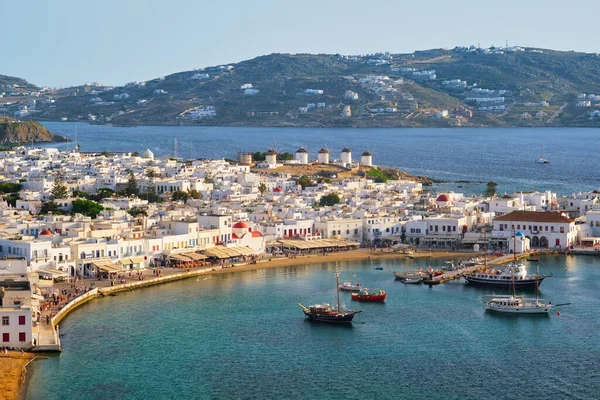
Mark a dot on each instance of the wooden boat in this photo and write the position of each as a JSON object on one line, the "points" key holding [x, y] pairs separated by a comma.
{"points": [[369, 295], [379, 268], [327, 313]]}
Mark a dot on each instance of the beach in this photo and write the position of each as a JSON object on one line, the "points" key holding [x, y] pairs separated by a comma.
{"points": [[12, 373]]}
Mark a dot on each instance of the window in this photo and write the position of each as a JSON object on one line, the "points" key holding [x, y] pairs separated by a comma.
{"points": [[21, 320], [6, 337], [562, 229], [22, 337], [5, 321]]}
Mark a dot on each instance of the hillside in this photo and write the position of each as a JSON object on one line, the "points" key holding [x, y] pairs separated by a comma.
{"points": [[16, 132], [434, 88]]}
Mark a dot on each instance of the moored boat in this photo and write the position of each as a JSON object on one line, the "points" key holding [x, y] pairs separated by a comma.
{"points": [[351, 286], [370, 295], [413, 280], [328, 313], [513, 274], [518, 305]]}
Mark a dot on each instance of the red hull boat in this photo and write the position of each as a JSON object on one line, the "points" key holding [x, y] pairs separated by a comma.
{"points": [[370, 295]]}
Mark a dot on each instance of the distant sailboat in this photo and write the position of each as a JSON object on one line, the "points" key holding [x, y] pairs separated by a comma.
{"points": [[542, 160]]}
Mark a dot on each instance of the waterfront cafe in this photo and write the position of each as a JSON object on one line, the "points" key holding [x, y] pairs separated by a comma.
{"points": [[54, 275], [590, 241], [219, 254], [187, 260], [105, 268], [299, 246]]}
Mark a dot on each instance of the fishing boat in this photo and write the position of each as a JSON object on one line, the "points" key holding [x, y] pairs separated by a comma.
{"points": [[351, 286], [514, 304], [379, 268], [327, 313], [370, 295]]}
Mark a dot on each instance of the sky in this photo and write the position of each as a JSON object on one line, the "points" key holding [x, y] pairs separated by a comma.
{"points": [[63, 43]]}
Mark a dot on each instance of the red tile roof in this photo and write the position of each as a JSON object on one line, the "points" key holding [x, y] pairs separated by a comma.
{"points": [[535, 216]]}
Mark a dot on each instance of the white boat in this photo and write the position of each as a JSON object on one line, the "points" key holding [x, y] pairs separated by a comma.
{"points": [[414, 280], [518, 305], [351, 286], [513, 304], [542, 160]]}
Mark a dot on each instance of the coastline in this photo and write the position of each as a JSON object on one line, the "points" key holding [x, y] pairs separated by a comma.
{"points": [[13, 369]]}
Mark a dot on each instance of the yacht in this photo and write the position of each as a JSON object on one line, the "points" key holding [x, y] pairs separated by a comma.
{"points": [[513, 274], [542, 160], [518, 305]]}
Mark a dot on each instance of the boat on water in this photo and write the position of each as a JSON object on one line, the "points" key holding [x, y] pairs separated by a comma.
{"points": [[351, 286], [541, 159], [379, 268], [412, 280], [370, 295], [513, 304], [513, 274], [327, 313]]}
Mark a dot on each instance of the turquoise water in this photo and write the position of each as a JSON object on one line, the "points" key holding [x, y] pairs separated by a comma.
{"points": [[504, 155], [242, 336]]}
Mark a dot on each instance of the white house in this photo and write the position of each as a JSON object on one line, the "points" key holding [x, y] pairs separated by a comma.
{"points": [[544, 229]]}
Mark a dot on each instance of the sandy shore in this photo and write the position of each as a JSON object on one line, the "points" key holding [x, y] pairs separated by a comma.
{"points": [[352, 255], [12, 372]]}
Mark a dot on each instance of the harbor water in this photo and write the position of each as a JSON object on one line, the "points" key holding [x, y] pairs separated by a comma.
{"points": [[243, 336], [504, 155]]}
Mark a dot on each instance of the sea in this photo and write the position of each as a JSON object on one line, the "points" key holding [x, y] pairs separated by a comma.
{"points": [[465, 159], [243, 336]]}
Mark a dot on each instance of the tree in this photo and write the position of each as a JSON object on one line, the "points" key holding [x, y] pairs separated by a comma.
{"points": [[180, 195], [305, 181], [136, 211], [88, 208], [490, 189], [330, 199], [51, 207], [262, 188], [101, 194], [208, 178], [258, 156], [194, 194], [285, 156], [132, 187], [59, 189], [79, 193], [403, 237]]}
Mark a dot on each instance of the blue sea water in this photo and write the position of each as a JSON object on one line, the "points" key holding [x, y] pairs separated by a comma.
{"points": [[242, 336], [504, 155]]}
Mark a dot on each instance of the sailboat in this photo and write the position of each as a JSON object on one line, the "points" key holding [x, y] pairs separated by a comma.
{"points": [[327, 313], [542, 160], [513, 304]]}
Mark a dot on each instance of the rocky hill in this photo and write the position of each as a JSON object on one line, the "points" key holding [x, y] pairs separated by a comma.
{"points": [[434, 88], [15, 132]]}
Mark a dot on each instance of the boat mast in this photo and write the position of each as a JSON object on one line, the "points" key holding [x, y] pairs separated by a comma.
{"points": [[512, 270], [337, 288], [485, 245]]}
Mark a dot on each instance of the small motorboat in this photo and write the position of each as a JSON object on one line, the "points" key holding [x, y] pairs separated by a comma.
{"points": [[370, 295], [379, 268], [351, 286], [413, 280]]}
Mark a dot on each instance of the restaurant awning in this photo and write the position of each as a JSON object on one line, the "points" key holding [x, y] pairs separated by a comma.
{"points": [[54, 273], [229, 252], [179, 257], [137, 260], [125, 261], [195, 256]]}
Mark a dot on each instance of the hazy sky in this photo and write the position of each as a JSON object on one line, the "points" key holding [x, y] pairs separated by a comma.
{"points": [[70, 42]]}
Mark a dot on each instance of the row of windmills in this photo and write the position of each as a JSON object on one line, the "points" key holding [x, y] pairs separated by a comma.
{"points": [[301, 157]]}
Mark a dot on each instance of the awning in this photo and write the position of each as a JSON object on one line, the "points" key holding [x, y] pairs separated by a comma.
{"points": [[195, 256], [125, 261], [137, 260], [179, 257], [109, 268], [229, 252], [54, 273], [316, 244]]}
